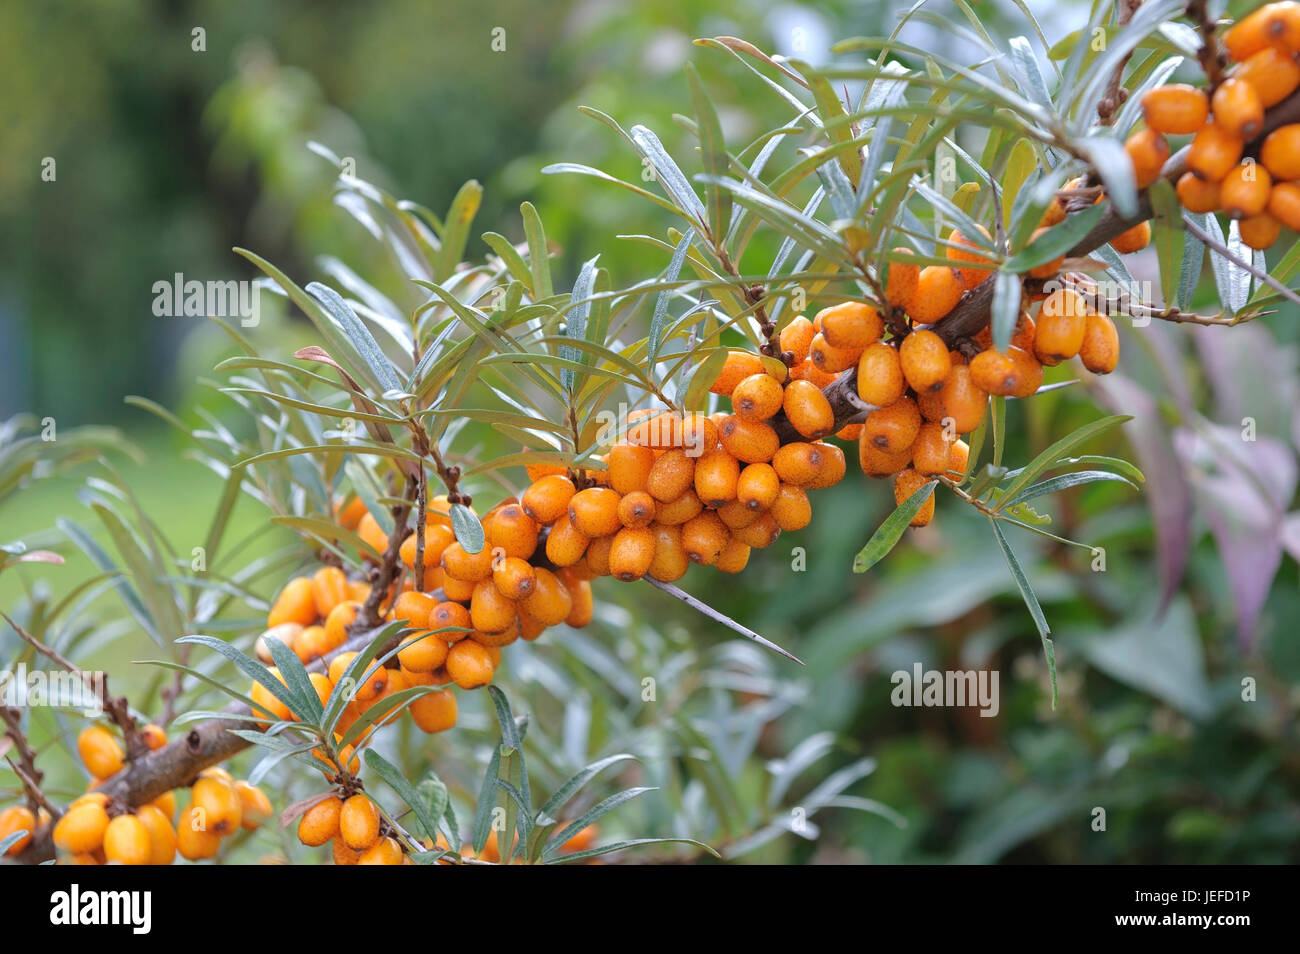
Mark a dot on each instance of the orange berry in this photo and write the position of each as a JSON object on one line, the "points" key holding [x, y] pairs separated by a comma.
{"points": [[1176, 109], [880, 375], [671, 476], [81, 828], [807, 371], [1244, 191], [547, 500], [1061, 325], [584, 607], [460, 564], [126, 841], [636, 509], [338, 621], [893, 428], [565, 544], [704, 536], [1280, 152], [931, 450], [826, 357], [759, 534], [698, 434], [1214, 152], [1029, 372], [1260, 231], [1133, 240], [372, 533], [958, 459], [436, 539], [310, 643], [193, 841], [905, 485], [1237, 108], [1273, 24], [295, 604], [550, 601], [631, 553], [513, 531], [255, 808], [676, 512], [750, 441], [162, 837], [320, 823], [850, 325], [385, 851], [1197, 194], [629, 469], [470, 664], [808, 410], [348, 515], [422, 652], [715, 477], [1272, 73], [1100, 349], [670, 561], [879, 463], [329, 589], [594, 511], [900, 281], [435, 712], [224, 812], [738, 366], [757, 397], [1284, 204], [1050, 268], [100, 752], [832, 467], [597, 558], [15, 819], [343, 855], [757, 487], [449, 614], [733, 558], [790, 508], [938, 289], [798, 463], [796, 337], [414, 608], [514, 578], [963, 401], [965, 250], [489, 610], [359, 822], [925, 360], [1148, 150]]}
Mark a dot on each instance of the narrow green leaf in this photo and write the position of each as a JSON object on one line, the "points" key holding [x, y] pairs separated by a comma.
{"points": [[1059, 449], [1031, 601], [891, 530], [398, 783], [714, 152]]}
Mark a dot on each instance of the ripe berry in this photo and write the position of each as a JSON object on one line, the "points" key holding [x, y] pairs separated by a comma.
{"points": [[830, 470], [735, 514], [415, 608], [1244, 191], [826, 357], [698, 434], [1237, 108], [295, 604], [1197, 194], [1099, 351], [850, 325], [893, 428], [126, 841], [995, 372], [964, 249], [100, 752], [733, 558], [1133, 240], [1175, 110], [385, 851], [750, 441], [514, 531], [924, 360], [597, 560], [435, 712], [671, 476], [1259, 231], [757, 397], [550, 602], [14, 819], [320, 823], [445, 614], [82, 827], [900, 280], [636, 509], [1273, 74], [422, 652], [268, 707], [338, 621], [930, 450], [1272, 24], [791, 508], [565, 544], [670, 561], [514, 578], [546, 500], [798, 463], [716, 474], [594, 511], [1284, 204], [193, 839], [219, 800], [962, 400], [1060, 328], [758, 486], [880, 375], [632, 553], [460, 564], [1214, 152], [759, 534], [329, 589], [489, 610], [584, 606], [348, 515], [704, 536], [359, 822], [470, 665], [808, 410], [1280, 152], [676, 512], [878, 463], [905, 485], [255, 808], [1148, 151], [738, 366], [796, 337], [162, 837], [938, 289]]}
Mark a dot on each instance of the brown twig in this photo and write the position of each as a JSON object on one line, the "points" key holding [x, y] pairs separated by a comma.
{"points": [[1116, 94], [25, 769], [1210, 54]]}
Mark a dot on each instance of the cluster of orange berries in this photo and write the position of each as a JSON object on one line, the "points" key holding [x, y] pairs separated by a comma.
{"points": [[1229, 170], [98, 830]]}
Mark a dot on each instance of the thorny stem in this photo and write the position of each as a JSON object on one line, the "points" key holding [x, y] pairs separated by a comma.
{"points": [[1116, 94], [1210, 55], [26, 771]]}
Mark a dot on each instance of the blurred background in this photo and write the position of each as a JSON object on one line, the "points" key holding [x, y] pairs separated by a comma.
{"points": [[177, 131]]}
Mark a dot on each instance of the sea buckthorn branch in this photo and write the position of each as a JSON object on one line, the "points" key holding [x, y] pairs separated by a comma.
{"points": [[368, 616], [974, 311], [25, 768], [1116, 94], [1210, 54]]}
